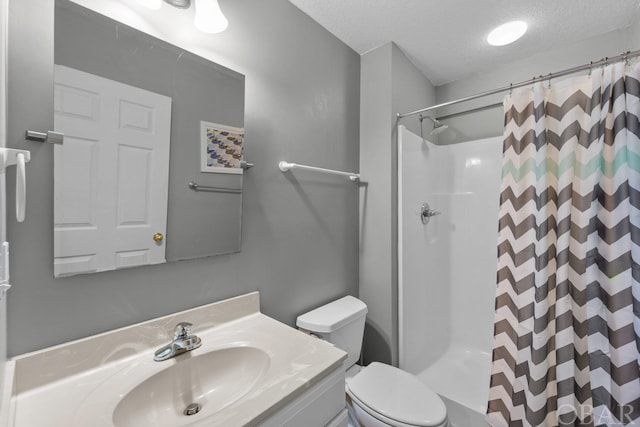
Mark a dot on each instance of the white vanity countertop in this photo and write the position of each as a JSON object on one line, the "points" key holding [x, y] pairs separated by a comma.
{"points": [[80, 384]]}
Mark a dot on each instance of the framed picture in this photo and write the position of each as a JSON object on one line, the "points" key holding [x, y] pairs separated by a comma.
{"points": [[220, 148]]}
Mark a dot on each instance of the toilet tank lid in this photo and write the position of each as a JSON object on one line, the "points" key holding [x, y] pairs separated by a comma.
{"points": [[333, 315]]}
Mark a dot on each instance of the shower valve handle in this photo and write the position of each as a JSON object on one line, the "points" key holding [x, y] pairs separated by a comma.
{"points": [[426, 213]]}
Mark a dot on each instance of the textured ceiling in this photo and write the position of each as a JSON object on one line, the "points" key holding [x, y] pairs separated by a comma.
{"points": [[446, 38]]}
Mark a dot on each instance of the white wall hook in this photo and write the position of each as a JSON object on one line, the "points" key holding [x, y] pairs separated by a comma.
{"points": [[10, 157]]}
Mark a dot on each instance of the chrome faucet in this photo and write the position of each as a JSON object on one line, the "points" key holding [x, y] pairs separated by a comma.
{"points": [[182, 342]]}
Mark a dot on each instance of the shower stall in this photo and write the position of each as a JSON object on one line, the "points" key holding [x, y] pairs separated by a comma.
{"points": [[448, 201]]}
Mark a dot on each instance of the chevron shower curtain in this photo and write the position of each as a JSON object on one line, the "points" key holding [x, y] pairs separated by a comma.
{"points": [[567, 331]]}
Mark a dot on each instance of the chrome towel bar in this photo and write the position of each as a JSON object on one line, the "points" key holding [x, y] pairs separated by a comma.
{"points": [[195, 186]]}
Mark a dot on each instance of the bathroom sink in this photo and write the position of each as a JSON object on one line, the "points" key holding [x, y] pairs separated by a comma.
{"points": [[247, 371], [200, 384]]}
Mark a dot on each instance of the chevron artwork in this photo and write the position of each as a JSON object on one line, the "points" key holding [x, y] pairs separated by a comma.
{"points": [[567, 325]]}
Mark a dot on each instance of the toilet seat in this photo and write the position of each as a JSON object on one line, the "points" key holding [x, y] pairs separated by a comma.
{"points": [[396, 397]]}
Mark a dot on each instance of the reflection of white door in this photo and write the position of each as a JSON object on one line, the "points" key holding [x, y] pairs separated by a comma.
{"points": [[111, 174]]}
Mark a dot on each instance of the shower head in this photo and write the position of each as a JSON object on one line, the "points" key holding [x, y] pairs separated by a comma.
{"points": [[438, 127]]}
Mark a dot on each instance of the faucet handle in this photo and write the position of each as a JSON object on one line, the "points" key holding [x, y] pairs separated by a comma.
{"points": [[182, 330]]}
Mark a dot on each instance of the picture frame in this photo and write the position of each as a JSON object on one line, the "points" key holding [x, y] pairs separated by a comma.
{"points": [[221, 148]]}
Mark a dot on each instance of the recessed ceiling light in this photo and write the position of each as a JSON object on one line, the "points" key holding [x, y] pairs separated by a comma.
{"points": [[151, 4], [507, 33]]}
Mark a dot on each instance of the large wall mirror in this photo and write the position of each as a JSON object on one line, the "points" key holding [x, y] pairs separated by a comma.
{"points": [[142, 119]]}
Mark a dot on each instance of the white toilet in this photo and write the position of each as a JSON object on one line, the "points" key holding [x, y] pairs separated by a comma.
{"points": [[377, 395]]}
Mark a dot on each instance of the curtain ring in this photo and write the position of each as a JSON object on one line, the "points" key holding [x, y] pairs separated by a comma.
{"points": [[590, 68], [625, 57], [510, 89], [549, 82]]}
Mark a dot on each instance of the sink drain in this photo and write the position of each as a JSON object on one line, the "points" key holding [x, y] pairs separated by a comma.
{"points": [[192, 409]]}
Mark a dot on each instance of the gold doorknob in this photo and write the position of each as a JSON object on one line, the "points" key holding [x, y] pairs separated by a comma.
{"points": [[158, 237]]}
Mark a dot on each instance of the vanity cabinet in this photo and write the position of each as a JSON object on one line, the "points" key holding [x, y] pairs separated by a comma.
{"points": [[322, 405], [250, 370]]}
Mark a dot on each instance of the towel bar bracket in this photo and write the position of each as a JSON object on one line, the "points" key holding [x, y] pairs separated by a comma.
{"points": [[50, 136]]}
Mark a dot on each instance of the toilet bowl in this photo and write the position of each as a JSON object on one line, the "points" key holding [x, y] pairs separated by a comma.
{"points": [[379, 394], [382, 395]]}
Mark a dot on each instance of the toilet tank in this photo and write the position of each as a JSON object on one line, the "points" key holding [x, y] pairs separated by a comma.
{"points": [[340, 322]]}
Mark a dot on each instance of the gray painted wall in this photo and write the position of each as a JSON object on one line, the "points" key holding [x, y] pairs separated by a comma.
{"points": [[390, 83], [634, 35], [4, 10], [300, 230], [490, 122]]}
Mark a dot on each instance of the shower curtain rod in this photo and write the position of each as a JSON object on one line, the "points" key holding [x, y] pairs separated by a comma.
{"points": [[590, 65]]}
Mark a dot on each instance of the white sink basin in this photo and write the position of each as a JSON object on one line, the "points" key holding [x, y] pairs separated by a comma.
{"points": [[248, 368], [212, 380]]}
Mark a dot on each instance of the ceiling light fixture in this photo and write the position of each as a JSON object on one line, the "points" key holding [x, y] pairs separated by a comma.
{"points": [[507, 33], [209, 18], [151, 4], [180, 4]]}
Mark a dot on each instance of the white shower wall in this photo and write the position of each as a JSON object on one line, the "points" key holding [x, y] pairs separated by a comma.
{"points": [[447, 268]]}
